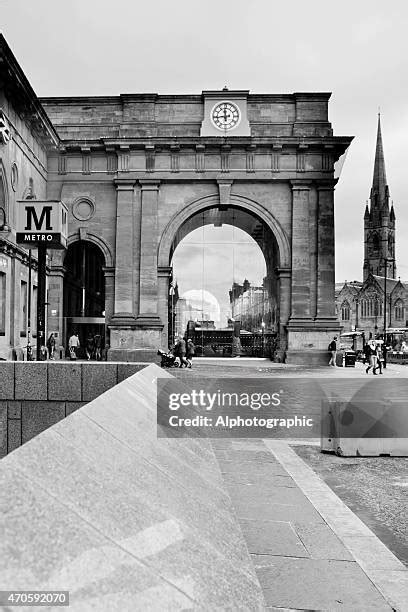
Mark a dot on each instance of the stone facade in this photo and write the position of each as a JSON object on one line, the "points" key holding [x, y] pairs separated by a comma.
{"points": [[138, 172]]}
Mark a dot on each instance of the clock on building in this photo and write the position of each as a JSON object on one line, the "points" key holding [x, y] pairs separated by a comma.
{"points": [[225, 115]]}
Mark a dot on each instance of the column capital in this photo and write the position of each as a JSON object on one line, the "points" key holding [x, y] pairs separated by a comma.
{"points": [[326, 185], [300, 185], [124, 184], [149, 184], [56, 270]]}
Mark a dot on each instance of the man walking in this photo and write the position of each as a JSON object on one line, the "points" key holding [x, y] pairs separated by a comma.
{"points": [[180, 350], [333, 351], [372, 352]]}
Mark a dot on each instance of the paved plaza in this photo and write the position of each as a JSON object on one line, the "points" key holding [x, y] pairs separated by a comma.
{"points": [[309, 550]]}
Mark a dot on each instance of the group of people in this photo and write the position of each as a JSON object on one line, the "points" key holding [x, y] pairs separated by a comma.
{"points": [[184, 351], [93, 346], [373, 355]]}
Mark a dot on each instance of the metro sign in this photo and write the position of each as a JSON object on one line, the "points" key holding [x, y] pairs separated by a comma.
{"points": [[42, 222]]}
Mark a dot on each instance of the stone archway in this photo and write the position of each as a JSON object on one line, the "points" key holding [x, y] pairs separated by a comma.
{"points": [[242, 213]]}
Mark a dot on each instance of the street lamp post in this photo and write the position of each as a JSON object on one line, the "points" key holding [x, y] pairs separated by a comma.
{"points": [[385, 312], [263, 338]]}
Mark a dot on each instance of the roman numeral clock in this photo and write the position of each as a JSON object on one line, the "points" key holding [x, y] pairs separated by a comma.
{"points": [[225, 113], [225, 116]]}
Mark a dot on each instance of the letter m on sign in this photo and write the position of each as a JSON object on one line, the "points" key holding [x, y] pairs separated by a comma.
{"points": [[38, 222]]}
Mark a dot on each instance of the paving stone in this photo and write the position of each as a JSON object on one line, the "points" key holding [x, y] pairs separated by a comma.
{"points": [[280, 512], [31, 381], [254, 478], [252, 496], [64, 381], [38, 416], [6, 380], [321, 542], [97, 378], [14, 410], [311, 584], [272, 538]]}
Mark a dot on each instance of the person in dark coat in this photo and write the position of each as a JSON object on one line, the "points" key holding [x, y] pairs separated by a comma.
{"points": [[190, 352], [51, 346], [180, 351]]}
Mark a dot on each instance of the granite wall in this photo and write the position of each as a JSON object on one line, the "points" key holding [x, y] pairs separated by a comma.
{"points": [[36, 395], [99, 506]]}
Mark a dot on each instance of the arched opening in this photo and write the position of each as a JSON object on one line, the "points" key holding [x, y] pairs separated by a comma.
{"points": [[224, 284], [84, 297], [345, 311]]}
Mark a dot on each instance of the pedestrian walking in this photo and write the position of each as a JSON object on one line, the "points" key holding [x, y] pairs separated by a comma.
{"points": [[379, 361], [89, 346], [333, 351], [51, 346], [98, 347], [190, 352], [73, 345], [180, 351], [372, 354]]}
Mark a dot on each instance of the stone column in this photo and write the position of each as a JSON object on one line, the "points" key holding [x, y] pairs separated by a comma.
{"points": [[124, 290], [284, 280], [109, 274], [55, 310], [326, 307], [164, 274], [148, 281], [300, 295]]}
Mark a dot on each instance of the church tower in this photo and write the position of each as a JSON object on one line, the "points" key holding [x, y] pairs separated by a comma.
{"points": [[379, 221]]}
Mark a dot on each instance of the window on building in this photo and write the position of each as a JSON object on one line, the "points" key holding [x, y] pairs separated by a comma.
{"points": [[345, 311], [23, 308], [3, 201], [2, 303], [399, 310]]}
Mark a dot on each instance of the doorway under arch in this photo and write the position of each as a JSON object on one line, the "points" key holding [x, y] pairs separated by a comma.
{"points": [[84, 295]]}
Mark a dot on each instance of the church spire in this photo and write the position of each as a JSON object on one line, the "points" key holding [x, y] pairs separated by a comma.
{"points": [[379, 190], [379, 221]]}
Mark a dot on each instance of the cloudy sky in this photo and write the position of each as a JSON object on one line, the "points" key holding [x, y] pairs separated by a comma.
{"points": [[357, 49]]}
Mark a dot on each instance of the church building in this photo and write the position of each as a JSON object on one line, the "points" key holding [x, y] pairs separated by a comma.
{"points": [[360, 305]]}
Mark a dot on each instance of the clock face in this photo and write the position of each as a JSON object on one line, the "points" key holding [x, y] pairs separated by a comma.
{"points": [[225, 115]]}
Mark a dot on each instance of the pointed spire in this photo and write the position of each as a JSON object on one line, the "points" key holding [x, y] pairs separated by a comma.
{"points": [[379, 190], [392, 212], [367, 212]]}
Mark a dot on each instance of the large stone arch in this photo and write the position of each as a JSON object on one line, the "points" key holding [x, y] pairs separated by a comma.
{"points": [[195, 207], [179, 227]]}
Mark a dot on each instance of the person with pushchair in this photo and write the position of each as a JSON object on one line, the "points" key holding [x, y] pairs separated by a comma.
{"points": [[180, 351], [190, 352]]}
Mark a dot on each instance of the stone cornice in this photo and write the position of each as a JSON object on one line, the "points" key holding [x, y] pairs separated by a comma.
{"points": [[23, 98]]}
